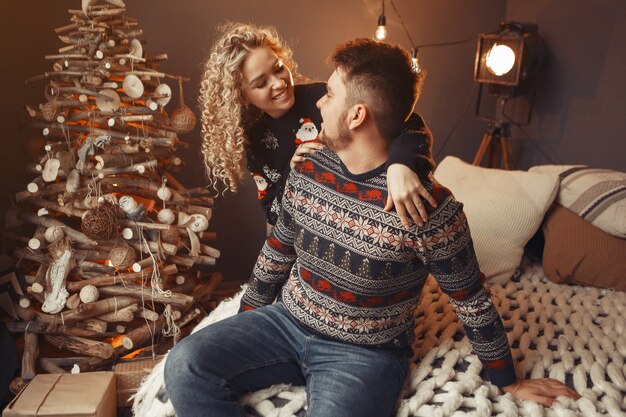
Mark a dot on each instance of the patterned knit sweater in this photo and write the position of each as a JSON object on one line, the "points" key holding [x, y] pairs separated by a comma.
{"points": [[348, 270]]}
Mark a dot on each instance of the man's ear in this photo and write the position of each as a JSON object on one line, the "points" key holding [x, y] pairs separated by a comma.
{"points": [[358, 115]]}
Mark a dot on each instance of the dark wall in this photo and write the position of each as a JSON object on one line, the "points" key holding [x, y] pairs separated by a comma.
{"points": [[573, 105], [580, 110]]}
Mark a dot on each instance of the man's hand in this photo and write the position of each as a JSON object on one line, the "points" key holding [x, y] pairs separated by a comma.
{"points": [[543, 391], [405, 189], [307, 148]]}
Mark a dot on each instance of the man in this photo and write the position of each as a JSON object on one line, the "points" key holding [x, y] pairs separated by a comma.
{"points": [[347, 274]]}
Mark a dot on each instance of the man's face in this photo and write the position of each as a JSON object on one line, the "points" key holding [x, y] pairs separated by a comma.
{"points": [[335, 133]]}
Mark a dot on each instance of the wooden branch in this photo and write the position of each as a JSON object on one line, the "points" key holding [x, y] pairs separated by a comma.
{"points": [[114, 279], [29, 358], [81, 345], [141, 336], [135, 291], [47, 328], [126, 314], [75, 235]]}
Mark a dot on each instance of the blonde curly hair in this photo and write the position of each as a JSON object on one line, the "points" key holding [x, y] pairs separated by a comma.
{"points": [[225, 113]]}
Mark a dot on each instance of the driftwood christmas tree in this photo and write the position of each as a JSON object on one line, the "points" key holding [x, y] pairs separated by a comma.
{"points": [[112, 248]]}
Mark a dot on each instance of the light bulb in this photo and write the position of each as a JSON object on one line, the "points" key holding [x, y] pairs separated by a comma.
{"points": [[415, 65], [381, 30], [500, 59]]}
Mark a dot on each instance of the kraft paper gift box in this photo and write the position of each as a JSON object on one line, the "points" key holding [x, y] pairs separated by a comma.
{"points": [[90, 394], [129, 376]]}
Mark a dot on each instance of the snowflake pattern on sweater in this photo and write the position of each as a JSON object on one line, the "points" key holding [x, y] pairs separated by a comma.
{"points": [[349, 271]]}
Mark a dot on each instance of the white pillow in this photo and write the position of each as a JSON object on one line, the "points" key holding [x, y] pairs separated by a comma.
{"points": [[504, 210], [596, 195]]}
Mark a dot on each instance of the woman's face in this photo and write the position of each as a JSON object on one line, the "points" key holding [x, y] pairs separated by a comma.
{"points": [[267, 82]]}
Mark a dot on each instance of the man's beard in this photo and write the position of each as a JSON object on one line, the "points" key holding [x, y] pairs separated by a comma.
{"points": [[343, 136]]}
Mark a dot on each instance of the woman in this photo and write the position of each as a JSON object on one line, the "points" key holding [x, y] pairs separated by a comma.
{"points": [[254, 118]]}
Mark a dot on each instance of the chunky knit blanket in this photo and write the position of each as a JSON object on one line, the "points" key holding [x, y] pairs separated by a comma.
{"points": [[571, 333]]}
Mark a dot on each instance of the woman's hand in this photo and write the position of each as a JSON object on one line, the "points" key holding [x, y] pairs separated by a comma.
{"points": [[405, 189], [306, 148], [543, 391]]}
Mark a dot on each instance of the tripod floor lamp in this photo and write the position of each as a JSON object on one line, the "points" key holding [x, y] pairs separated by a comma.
{"points": [[507, 62]]}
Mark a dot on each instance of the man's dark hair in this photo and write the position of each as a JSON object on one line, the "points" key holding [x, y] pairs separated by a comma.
{"points": [[381, 76]]}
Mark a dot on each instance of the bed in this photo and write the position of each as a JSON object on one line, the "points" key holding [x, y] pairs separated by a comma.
{"points": [[559, 322]]}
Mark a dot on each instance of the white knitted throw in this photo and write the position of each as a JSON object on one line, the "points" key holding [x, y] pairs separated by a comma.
{"points": [[571, 333]]}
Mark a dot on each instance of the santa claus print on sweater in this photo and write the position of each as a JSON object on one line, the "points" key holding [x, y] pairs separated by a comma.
{"points": [[261, 185], [307, 132]]}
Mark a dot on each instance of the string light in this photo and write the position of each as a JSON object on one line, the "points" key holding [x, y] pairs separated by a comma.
{"points": [[381, 34], [381, 29]]}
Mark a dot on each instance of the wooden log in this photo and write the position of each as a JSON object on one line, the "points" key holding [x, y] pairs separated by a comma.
{"points": [[51, 367], [142, 335], [75, 235], [72, 301], [148, 314], [135, 291], [81, 345], [87, 266], [83, 311], [155, 247], [41, 202], [17, 385], [92, 324], [47, 328], [185, 320], [119, 278], [189, 261], [29, 358], [126, 314]]}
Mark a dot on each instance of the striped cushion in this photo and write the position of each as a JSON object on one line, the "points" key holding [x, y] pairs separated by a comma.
{"points": [[504, 210], [596, 195]]}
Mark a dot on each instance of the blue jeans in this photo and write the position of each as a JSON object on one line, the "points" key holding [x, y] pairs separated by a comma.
{"points": [[206, 372]]}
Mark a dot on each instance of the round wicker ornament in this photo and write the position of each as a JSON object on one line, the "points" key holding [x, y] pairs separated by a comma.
{"points": [[170, 235], [122, 256], [99, 223], [183, 120], [49, 110]]}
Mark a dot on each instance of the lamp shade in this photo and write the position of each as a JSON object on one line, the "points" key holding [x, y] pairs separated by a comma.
{"points": [[509, 58]]}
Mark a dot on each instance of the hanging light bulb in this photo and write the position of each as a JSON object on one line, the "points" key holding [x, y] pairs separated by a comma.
{"points": [[381, 29], [414, 62], [500, 59]]}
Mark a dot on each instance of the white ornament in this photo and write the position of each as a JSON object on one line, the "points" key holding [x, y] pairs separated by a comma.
{"points": [[54, 233], [127, 233], [164, 193], [128, 204], [133, 86], [89, 293], [51, 169], [199, 223], [166, 216], [73, 182]]}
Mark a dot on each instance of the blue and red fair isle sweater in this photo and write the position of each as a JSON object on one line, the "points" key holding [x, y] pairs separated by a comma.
{"points": [[349, 271]]}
